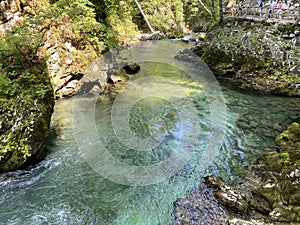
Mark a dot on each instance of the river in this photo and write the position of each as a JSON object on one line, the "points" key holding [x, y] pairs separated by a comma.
{"points": [[204, 125]]}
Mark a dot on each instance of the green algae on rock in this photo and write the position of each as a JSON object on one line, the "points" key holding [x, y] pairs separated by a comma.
{"points": [[279, 174]]}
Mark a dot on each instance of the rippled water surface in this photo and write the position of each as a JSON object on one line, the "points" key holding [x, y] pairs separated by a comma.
{"points": [[65, 189]]}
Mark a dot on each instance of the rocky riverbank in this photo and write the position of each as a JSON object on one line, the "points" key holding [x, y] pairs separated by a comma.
{"points": [[259, 57], [269, 193], [263, 58]]}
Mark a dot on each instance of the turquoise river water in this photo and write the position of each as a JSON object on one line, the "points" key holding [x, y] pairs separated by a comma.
{"points": [[177, 113]]}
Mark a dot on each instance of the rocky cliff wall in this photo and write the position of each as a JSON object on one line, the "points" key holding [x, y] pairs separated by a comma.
{"points": [[255, 56], [26, 97]]}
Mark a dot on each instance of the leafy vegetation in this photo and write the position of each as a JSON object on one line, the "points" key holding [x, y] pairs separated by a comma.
{"points": [[98, 25]]}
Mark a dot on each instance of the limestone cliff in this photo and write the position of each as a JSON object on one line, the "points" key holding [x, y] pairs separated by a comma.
{"points": [[255, 56]]}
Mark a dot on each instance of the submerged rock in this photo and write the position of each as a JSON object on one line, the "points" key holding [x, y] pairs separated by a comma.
{"points": [[199, 207], [132, 68]]}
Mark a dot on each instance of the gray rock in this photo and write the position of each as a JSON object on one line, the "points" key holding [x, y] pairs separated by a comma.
{"points": [[115, 78], [236, 221], [153, 36], [72, 84], [65, 92]]}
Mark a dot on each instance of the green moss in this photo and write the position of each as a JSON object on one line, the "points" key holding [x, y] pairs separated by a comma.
{"points": [[289, 140], [25, 122], [214, 57], [276, 161]]}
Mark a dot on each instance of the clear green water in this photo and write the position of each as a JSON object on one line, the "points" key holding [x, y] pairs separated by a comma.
{"points": [[64, 189]]}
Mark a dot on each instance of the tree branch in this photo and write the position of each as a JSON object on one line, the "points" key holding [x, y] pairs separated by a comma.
{"points": [[144, 15], [207, 10]]}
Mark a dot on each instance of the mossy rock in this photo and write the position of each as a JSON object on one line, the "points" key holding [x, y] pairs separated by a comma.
{"points": [[132, 68], [225, 69], [282, 172], [122, 73], [242, 52], [289, 140], [276, 161], [214, 57], [25, 114], [24, 129]]}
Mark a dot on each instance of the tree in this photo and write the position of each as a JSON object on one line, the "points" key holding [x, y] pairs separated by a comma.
{"points": [[144, 15], [221, 9]]}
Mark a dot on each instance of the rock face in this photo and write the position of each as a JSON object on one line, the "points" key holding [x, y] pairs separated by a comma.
{"points": [[280, 172], [27, 103], [254, 56], [66, 64], [24, 127], [99, 78], [269, 195], [199, 207], [10, 15]]}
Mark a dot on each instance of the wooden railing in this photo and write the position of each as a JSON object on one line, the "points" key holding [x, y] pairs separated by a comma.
{"points": [[264, 13]]}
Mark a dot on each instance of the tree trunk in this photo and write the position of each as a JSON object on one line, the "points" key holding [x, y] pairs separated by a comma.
{"points": [[221, 9], [213, 8], [144, 15], [207, 10]]}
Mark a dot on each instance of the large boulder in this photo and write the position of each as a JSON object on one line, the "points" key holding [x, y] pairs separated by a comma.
{"points": [[26, 94], [254, 56], [24, 127]]}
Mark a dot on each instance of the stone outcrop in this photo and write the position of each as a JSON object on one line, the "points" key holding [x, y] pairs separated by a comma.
{"points": [[24, 127], [254, 56], [25, 113], [66, 64], [101, 76], [10, 15], [273, 199]]}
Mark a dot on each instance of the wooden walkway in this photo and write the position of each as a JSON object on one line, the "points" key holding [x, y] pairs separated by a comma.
{"points": [[288, 16]]}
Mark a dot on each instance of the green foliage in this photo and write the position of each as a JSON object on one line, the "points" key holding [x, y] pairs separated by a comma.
{"points": [[164, 15], [197, 17], [161, 22], [76, 23], [41, 90], [7, 87], [117, 17], [21, 66]]}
